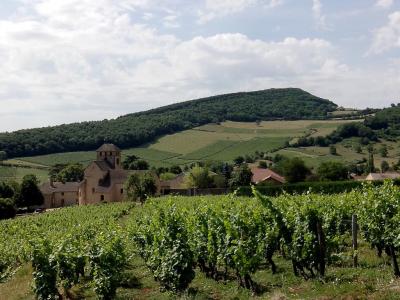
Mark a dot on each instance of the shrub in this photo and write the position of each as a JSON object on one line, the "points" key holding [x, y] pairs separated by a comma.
{"points": [[7, 209]]}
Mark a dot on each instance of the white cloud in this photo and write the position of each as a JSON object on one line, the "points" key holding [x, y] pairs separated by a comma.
{"points": [[384, 3], [89, 60], [388, 36], [221, 8], [319, 17], [75, 60]]}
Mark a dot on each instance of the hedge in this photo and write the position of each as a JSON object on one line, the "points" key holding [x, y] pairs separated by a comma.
{"points": [[325, 187]]}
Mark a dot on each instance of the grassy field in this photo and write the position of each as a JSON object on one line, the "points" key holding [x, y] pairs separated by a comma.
{"points": [[17, 173], [373, 279], [346, 153], [222, 141]]}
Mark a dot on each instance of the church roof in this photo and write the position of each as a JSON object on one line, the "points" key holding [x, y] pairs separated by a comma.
{"points": [[103, 165], [108, 148]]}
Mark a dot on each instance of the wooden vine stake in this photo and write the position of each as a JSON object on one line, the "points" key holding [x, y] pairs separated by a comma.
{"points": [[354, 230], [322, 249]]}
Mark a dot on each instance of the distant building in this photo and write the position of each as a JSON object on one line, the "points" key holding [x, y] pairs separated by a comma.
{"points": [[382, 176], [105, 178], [58, 194], [266, 176], [103, 181], [173, 184]]}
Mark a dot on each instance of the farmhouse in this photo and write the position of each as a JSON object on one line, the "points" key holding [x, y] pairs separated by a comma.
{"points": [[103, 181], [266, 176]]}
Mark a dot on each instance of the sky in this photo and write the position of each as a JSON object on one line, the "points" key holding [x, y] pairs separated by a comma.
{"points": [[64, 61]]}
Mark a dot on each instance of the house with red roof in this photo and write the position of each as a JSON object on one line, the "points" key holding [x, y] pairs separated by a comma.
{"points": [[266, 176]]}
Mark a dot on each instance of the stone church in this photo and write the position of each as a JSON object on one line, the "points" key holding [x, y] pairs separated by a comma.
{"points": [[103, 181]]}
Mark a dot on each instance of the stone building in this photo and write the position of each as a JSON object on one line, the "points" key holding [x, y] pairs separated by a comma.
{"points": [[58, 194], [105, 178], [103, 182]]}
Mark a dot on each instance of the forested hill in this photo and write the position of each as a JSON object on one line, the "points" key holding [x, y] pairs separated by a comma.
{"points": [[140, 128]]}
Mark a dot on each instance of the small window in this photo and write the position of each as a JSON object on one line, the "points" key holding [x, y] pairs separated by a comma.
{"points": [[117, 161], [92, 190], [110, 153], [122, 191], [62, 193], [102, 197]]}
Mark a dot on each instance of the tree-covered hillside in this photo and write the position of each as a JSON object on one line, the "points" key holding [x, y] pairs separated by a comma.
{"points": [[140, 128]]}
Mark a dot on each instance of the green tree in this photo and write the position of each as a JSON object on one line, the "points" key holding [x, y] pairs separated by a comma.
{"points": [[132, 162], [3, 155], [385, 166], [370, 168], [332, 171], [140, 186], [55, 170], [241, 177], [332, 150], [238, 160], [71, 173], [7, 208], [198, 177], [383, 151], [6, 190], [29, 194], [294, 169], [262, 164], [175, 169]]}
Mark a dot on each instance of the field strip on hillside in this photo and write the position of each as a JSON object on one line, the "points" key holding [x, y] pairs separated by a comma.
{"points": [[301, 153]]}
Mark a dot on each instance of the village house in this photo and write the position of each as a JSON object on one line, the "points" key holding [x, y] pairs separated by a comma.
{"points": [[103, 181], [173, 184], [382, 176], [266, 176]]}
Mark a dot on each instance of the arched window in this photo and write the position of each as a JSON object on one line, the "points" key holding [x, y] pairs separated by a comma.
{"points": [[102, 197]]}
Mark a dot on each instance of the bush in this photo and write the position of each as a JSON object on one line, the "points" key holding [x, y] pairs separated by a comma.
{"points": [[7, 209]]}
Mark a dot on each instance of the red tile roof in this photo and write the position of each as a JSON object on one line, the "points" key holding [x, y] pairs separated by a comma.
{"points": [[260, 175]]}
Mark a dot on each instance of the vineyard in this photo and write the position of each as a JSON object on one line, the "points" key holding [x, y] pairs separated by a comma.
{"points": [[187, 246]]}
